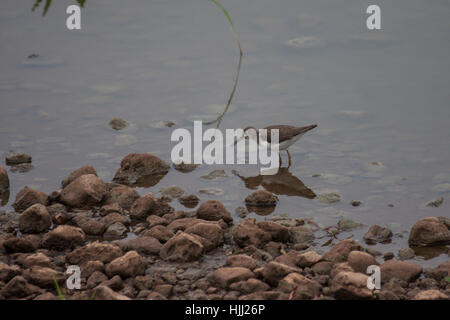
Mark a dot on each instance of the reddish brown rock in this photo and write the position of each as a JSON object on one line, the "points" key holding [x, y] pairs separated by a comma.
{"points": [[261, 198], [90, 226], [300, 234], [213, 210], [302, 287], [43, 277], [184, 223], [275, 271], [159, 232], [341, 250], [182, 247], [138, 166], [249, 286], [4, 180], [121, 194], [292, 258], [84, 192], [35, 219], [103, 252], [350, 285], [212, 232], [429, 232], [18, 287], [359, 261], [8, 272], [35, 259], [63, 237], [106, 293], [403, 270], [241, 260], [248, 233], [15, 157], [26, 197], [115, 217], [149, 205], [155, 221], [431, 295], [29, 243], [441, 271], [224, 277], [78, 173], [277, 231], [144, 245], [129, 265], [307, 259], [377, 234]]}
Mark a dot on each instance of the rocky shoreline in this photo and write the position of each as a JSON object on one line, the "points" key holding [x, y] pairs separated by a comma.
{"points": [[138, 247]]}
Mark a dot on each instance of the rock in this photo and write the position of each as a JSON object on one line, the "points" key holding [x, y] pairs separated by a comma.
{"points": [[184, 223], [121, 194], [249, 286], [63, 237], [90, 226], [436, 203], [95, 279], [129, 265], [277, 231], [215, 174], [14, 158], [35, 259], [105, 293], [137, 166], [350, 285], [441, 271], [149, 205], [431, 295], [261, 198], [18, 287], [23, 167], [429, 232], [359, 261], [182, 247], [184, 167], [172, 191], [213, 210], [94, 251], [35, 219], [4, 180], [275, 271], [224, 277], [341, 250], [302, 287], [26, 197], [76, 174], [114, 218], [347, 224], [8, 272], [189, 200], [84, 192], [114, 283], [118, 123], [355, 203], [377, 234], [144, 245], [155, 221], [212, 191], [322, 267], [300, 234], [406, 254], [403, 270], [307, 259], [241, 260], [248, 233], [43, 277], [90, 267], [209, 231], [115, 230], [46, 296], [25, 244], [329, 198], [159, 232]]}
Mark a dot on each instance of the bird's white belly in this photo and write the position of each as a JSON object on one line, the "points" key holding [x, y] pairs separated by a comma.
{"points": [[286, 144]]}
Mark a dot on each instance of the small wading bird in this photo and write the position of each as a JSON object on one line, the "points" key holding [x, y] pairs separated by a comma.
{"points": [[287, 136]]}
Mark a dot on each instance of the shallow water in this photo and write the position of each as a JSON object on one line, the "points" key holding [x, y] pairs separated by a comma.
{"points": [[380, 98]]}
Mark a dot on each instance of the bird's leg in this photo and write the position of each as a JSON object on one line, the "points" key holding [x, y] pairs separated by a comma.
{"points": [[289, 158]]}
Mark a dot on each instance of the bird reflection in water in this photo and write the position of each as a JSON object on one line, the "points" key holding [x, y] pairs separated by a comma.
{"points": [[282, 183]]}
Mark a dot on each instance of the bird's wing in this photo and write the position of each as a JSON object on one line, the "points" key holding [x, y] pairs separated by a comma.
{"points": [[286, 132]]}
